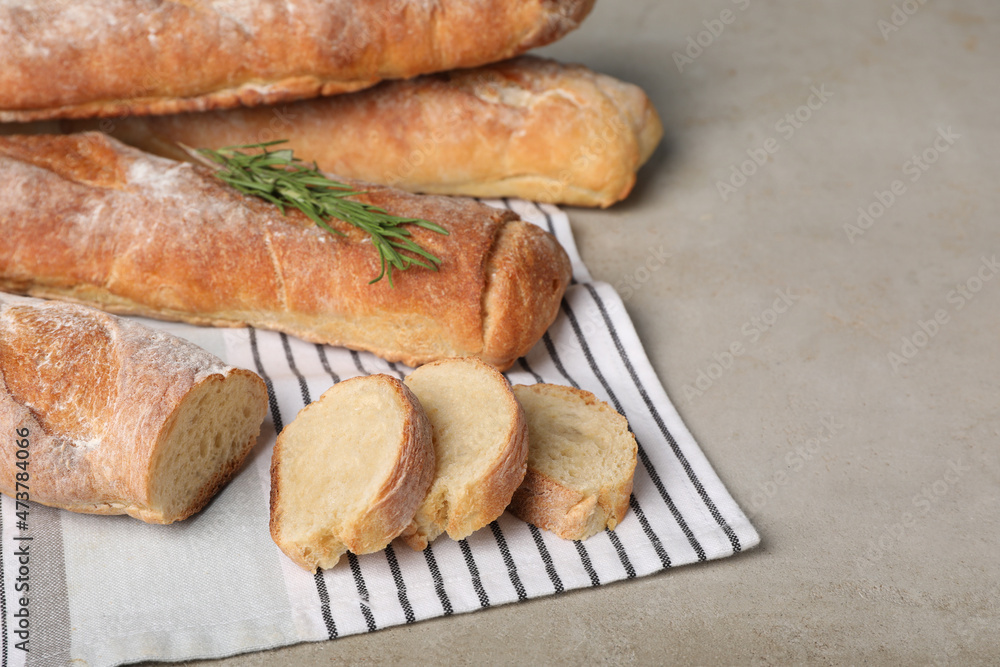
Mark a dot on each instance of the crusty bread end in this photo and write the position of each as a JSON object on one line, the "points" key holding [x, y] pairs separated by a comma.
{"points": [[581, 461]]}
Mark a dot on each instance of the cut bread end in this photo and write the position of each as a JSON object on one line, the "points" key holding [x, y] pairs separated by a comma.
{"points": [[480, 443], [581, 461], [203, 444], [349, 472]]}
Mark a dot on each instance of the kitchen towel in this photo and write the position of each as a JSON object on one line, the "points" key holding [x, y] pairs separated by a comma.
{"points": [[112, 590]]}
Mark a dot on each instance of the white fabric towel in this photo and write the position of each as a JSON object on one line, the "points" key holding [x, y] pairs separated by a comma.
{"points": [[111, 590]]}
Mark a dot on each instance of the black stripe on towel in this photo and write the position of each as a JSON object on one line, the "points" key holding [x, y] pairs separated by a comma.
{"points": [[646, 463], [508, 560], [326, 363], [321, 590], [303, 387], [324, 602], [477, 583], [397, 576], [587, 565], [438, 581], [546, 558], [622, 555], [646, 528], [713, 510], [524, 363], [359, 581], [272, 400]]}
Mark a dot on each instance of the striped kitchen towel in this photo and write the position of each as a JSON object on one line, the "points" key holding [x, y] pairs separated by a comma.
{"points": [[111, 590]]}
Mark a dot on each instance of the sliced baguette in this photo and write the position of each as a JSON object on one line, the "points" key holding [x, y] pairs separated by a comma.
{"points": [[120, 418], [480, 445], [349, 472], [581, 459]]}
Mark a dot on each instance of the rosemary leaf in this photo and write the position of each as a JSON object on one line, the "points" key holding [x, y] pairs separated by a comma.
{"points": [[278, 177]]}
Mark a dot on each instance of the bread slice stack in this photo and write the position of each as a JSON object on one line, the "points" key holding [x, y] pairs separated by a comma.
{"points": [[447, 452]]}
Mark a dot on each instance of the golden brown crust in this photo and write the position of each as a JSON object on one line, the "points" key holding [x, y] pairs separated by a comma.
{"points": [[393, 505], [88, 219], [528, 127], [556, 506], [132, 57], [99, 396], [571, 515]]}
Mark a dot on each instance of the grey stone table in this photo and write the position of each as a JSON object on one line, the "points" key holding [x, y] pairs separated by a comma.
{"points": [[827, 195]]}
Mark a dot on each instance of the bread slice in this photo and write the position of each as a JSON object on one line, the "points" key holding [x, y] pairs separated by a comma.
{"points": [[349, 471], [120, 418], [581, 459], [480, 444]]}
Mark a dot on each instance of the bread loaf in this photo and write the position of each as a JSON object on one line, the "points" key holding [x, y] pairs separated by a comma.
{"points": [[88, 219], [528, 127], [349, 471], [480, 445], [115, 418], [581, 461], [86, 58]]}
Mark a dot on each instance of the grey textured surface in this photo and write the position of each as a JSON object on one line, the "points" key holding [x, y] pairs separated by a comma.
{"points": [[879, 541]]}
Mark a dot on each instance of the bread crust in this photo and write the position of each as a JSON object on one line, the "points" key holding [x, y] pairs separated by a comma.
{"points": [[529, 127], [99, 396], [558, 507], [483, 499], [392, 507], [91, 58], [88, 219]]}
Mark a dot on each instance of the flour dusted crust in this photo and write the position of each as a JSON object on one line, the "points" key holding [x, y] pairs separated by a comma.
{"points": [[87, 219], [86, 58], [103, 400], [528, 127]]}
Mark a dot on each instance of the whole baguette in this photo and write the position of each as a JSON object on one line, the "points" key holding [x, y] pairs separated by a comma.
{"points": [[528, 127], [88, 219], [86, 58], [116, 418]]}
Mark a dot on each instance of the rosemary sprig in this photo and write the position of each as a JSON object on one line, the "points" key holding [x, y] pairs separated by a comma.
{"points": [[279, 177]]}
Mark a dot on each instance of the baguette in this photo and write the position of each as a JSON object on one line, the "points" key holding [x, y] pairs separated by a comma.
{"points": [[116, 418], [480, 445], [349, 471], [529, 128], [581, 462], [87, 58], [87, 219]]}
